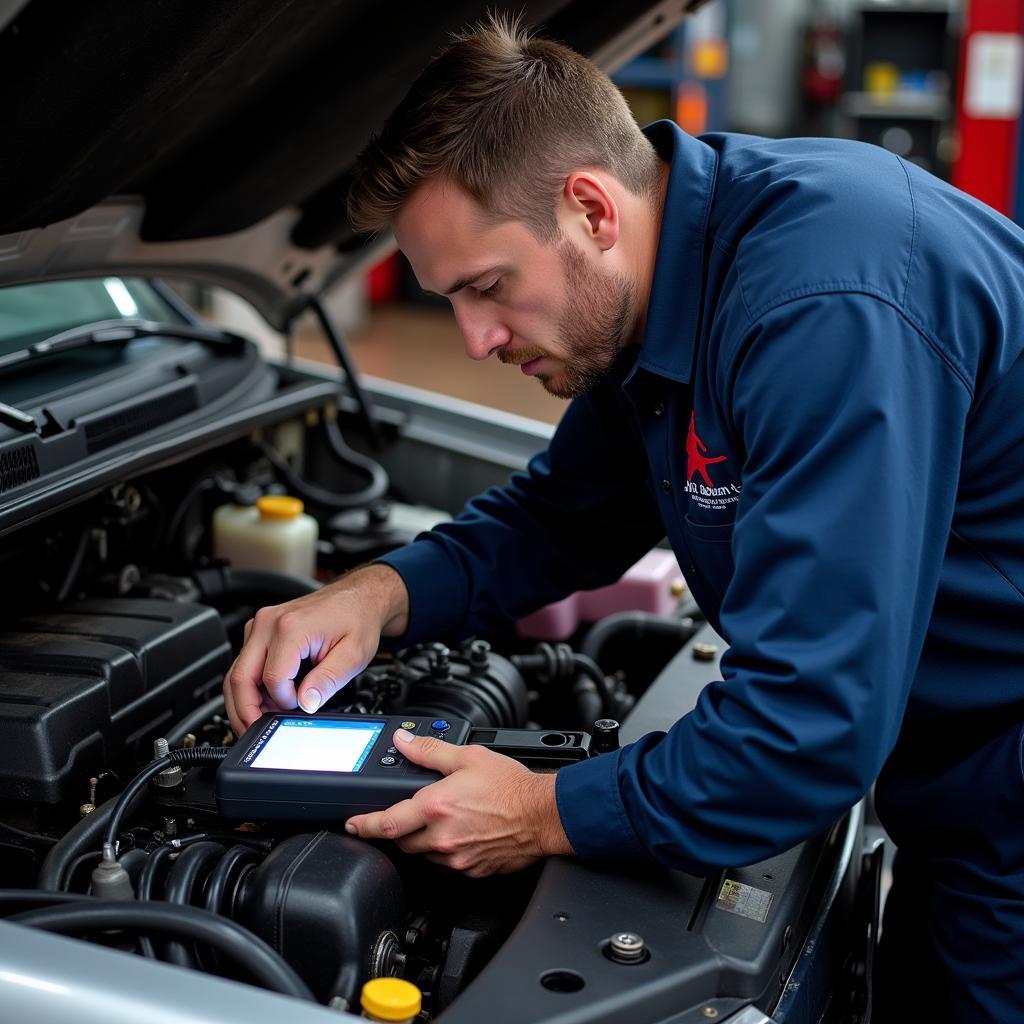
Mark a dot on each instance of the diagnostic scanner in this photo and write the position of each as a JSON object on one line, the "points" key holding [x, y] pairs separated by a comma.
{"points": [[325, 767]]}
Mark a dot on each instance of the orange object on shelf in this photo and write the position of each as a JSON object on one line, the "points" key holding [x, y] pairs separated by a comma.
{"points": [[692, 108]]}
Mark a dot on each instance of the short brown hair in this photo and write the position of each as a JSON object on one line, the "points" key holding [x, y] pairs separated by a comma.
{"points": [[507, 116]]}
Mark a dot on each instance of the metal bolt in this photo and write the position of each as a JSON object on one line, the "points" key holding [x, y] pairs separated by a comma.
{"points": [[710, 1012], [170, 776], [705, 652], [626, 947], [440, 664], [677, 588], [478, 653]]}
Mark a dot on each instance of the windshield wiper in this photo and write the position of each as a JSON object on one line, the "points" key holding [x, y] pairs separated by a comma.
{"points": [[120, 332]]}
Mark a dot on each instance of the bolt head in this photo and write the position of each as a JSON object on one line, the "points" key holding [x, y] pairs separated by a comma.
{"points": [[705, 652]]}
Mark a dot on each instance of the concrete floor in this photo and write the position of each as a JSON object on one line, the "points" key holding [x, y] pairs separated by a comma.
{"points": [[423, 347]]}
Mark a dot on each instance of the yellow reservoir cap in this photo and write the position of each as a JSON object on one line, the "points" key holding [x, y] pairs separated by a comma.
{"points": [[279, 506], [390, 999]]}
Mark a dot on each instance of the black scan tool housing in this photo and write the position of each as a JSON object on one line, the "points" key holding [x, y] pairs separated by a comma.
{"points": [[325, 767]]}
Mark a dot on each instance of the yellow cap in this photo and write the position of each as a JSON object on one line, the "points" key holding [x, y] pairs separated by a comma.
{"points": [[279, 506], [390, 999]]}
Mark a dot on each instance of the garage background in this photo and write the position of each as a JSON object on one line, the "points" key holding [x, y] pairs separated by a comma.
{"points": [[937, 81]]}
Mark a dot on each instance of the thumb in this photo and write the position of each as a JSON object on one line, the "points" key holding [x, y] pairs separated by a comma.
{"points": [[429, 751], [332, 674]]}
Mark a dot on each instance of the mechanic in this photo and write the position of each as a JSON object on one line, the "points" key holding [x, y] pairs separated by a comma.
{"points": [[802, 360]]}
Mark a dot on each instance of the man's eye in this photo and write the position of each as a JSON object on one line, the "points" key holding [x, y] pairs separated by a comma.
{"points": [[491, 290]]}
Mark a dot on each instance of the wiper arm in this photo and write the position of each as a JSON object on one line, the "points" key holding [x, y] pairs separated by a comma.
{"points": [[120, 332]]}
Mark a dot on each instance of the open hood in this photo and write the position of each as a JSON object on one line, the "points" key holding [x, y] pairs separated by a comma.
{"points": [[212, 141]]}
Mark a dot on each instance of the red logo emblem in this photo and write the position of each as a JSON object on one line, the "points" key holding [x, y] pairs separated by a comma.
{"points": [[696, 461]]}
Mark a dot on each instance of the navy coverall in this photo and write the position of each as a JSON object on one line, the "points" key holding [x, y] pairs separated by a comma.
{"points": [[826, 417]]}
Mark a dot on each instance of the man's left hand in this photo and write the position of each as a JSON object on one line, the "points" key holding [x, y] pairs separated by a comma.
{"points": [[489, 814]]}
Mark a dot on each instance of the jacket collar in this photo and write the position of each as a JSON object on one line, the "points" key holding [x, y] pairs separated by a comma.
{"points": [[677, 290]]}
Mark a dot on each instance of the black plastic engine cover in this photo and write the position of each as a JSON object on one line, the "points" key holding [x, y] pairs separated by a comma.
{"points": [[322, 901], [80, 686]]}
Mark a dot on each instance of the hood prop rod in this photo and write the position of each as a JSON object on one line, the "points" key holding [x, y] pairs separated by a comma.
{"points": [[341, 354]]}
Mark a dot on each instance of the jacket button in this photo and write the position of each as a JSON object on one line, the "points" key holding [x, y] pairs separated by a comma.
{"points": [[666, 486], [659, 409]]}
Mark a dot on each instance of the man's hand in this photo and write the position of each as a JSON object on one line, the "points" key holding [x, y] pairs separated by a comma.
{"points": [[489, 815], [337, 628]]}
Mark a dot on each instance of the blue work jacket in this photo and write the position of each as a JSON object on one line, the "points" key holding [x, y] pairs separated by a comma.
{"points": [[826, 418]]}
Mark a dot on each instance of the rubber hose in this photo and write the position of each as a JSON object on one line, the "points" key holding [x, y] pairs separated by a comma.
{"points": [[588, 702], [85, 834], [245, 948], [30, 899], [145, 891], [180, 888], [639, 625], [222, 885], [250, 586], [183, 757], [589, 668], [320, 496]]}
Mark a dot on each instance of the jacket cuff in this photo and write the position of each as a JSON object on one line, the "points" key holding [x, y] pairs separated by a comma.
{"points": [[437, 592], [593, 816]]}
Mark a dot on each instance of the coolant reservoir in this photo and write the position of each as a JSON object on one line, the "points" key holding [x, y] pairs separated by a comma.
{"points": [[274, 535]]}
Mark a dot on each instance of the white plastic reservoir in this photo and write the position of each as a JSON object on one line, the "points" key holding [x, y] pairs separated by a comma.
{"points": [[274, 534]]}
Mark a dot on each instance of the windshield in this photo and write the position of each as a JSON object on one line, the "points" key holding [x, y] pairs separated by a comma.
{"points": [[34, 312]]}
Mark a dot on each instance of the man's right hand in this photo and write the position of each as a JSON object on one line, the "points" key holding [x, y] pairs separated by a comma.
{"points": [[337, 628]]}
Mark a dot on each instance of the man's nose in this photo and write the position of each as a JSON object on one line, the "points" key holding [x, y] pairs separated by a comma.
{"points": [[482, 332]]}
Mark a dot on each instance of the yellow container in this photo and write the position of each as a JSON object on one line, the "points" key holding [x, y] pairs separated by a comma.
{"points": [[390, 999], [273, 535]]}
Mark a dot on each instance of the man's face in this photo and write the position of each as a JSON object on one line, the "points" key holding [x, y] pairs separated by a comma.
{"points": [[544, 307]]}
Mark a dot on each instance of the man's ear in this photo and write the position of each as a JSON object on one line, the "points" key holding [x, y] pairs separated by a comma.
{"points": [[591, 209]]}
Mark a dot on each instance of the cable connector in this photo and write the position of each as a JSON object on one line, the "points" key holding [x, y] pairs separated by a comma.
{"points": [[110, 881], [172, 776]]}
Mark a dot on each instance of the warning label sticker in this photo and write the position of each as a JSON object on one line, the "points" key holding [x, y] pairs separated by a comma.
{"points": [[745, 900]]}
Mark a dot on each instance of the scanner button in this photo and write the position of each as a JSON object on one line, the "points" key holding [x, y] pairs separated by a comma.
{"points": [[440, 725], [388, 761], [409, 725], [392, 750]]}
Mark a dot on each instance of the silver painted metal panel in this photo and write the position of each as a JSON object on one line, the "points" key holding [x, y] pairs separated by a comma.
{"points": [[50, 979]]}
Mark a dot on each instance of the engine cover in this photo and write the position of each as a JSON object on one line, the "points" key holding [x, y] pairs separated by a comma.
{"points": [[80, 686]]}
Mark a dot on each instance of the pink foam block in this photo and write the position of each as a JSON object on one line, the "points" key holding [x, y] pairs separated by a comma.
{"points": [[652, 585]]}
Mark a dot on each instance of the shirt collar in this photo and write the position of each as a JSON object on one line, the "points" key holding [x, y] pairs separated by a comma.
{"points": [[673, 313]]}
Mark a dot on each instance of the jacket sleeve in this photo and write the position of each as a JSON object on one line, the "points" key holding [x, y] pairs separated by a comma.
{"points": [[579, 516], [851, 423]]}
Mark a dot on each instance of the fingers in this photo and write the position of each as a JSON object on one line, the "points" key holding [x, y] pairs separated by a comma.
{"points": [[397, 821], [430, 752], [288, 642], [332, 673], [243, 694]]}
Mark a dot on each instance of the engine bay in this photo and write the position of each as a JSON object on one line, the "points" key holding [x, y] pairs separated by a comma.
{"points": [[116, 643]]}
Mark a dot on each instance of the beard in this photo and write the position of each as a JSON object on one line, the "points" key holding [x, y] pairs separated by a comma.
{"points": [[593, 328]]}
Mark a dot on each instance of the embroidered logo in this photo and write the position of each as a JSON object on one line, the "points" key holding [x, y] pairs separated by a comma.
{"points": [[704, 492], [695, 461]]}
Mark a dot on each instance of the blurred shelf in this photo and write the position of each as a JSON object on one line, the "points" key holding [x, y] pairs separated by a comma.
{"points": [[926, 106]]}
